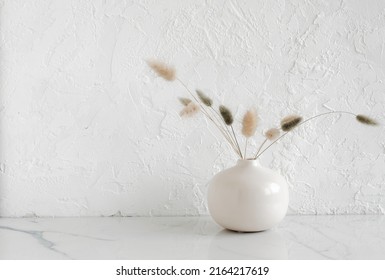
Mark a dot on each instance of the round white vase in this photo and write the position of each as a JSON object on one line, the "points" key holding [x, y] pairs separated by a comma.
{"points": [[248, 197]]}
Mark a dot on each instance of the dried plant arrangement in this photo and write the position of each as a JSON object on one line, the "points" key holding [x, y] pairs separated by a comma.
{"points": [[222, 118]]}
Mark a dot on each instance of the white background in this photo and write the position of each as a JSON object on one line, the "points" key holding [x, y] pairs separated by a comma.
{"points": [[87, 129], [100, 270]]}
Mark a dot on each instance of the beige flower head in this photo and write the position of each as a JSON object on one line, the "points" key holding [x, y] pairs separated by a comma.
{"points": [[249, 123], [163, 70], [189, 110], [272, 134]]}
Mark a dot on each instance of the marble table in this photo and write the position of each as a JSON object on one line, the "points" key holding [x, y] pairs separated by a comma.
{"points": [[297, 237]]}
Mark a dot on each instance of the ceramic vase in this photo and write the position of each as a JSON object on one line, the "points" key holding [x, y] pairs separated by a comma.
{"points": [[248, 197]]}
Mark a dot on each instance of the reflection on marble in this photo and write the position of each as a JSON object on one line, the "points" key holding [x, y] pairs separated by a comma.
{"points": [[297, 237], [266, 245]]}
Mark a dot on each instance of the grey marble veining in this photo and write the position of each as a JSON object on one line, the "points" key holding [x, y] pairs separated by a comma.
{"points": [[297, 237]]}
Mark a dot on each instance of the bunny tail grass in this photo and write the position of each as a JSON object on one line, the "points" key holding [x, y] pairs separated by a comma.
{"points": [[189, 110], [289, 122], [204, 98], [184, 101], [272, 134], [163, 70], [226, 115], [366, 120], [249, 123]]}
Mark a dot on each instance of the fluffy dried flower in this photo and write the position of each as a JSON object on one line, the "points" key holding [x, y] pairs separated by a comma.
{"points": [[163, 70], [272, 134], [189, 110], [366, 120], [226, 115], [289, 122], [204, 98], [185, 101], [249, 123]]}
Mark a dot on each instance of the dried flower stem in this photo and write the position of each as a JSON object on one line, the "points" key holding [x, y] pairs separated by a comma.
{"points": [[260, 147], [245, 154], [271, 134], [301, 123], [236, 140], [221, 120], [223, 124], [169, 74], [204, 111]]}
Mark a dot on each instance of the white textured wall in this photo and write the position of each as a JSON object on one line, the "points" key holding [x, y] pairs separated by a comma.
{"points": [[88, 129]]}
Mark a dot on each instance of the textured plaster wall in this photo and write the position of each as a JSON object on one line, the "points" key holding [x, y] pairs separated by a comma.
{"points": [[87, 129]]}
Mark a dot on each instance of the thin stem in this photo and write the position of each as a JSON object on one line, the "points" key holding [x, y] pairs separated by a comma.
{"points": [[193, 96], [245, 154], [260, 147], [235, 137], [220, 119], [305, 121], [233, 145], [272, 143], [232, 136], [335, 112]]}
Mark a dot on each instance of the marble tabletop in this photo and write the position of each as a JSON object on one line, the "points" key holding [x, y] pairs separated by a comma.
{"points": [[297, 237]]}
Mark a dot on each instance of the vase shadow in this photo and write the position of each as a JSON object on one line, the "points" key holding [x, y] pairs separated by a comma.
{"points": [[266, 245]]}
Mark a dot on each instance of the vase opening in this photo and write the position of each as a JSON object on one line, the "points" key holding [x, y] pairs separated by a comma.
{"points": [[248, 162]]}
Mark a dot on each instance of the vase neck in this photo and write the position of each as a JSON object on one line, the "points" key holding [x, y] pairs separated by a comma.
{"points": [[248, 162]]}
